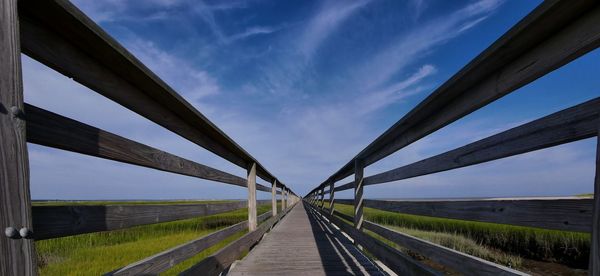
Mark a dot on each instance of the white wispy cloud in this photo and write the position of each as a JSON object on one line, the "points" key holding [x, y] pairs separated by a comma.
{"points": [[414, 45], [252, 31], [329, 17]]}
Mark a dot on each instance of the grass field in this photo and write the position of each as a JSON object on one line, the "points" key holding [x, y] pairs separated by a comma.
{"points": [[495, 242], [98, 253]]}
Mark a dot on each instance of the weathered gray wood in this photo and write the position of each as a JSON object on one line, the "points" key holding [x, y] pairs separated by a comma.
{"points": [[397, 261], [458, 261], [59, 35], [304, 244], [321, 198], [222, 259], [551, 36], [358, 193], [331, 198], [274, 198], [167, 259], [594, 265], [53, 130], [283, 198], [558, 214], [60, 221], [572, 124], [17, 256], [252, 223]]}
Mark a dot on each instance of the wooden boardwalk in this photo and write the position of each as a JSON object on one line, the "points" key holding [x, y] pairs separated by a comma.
{"points": [[303, 244]]}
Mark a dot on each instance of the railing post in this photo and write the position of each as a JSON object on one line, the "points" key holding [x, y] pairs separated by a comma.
{"points": [[322, 200], [274, 198], [331, 198], [358, 193], [594, 265], [282, 199], [252, 197], [17, 253]]}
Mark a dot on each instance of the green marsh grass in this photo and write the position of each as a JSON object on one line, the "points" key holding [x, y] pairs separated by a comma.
{"points": [[98, 253], [569, 248]]}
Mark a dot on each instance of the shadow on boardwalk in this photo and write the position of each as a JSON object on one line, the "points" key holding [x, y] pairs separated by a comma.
{"points": [[303, 244]]}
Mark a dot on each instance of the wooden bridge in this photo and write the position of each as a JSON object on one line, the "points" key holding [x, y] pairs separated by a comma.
{"points": [[305, 236]]}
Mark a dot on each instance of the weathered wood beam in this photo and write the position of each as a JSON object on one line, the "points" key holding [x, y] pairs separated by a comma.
{"points": [[552, 35], [358, 193], [222, 259], [60, 221], [17, 253], [53, 130], [565, 126], [331, 198], [458, 261], [594, 264], [274, 198], [557, 214], [167, 259], [572, 124], [60, 36], [252, 223]]}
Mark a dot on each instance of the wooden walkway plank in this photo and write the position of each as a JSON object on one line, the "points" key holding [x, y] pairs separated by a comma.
{"points": [[302, 244]]}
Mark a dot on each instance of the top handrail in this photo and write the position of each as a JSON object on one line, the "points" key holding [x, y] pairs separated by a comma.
{"points": [[508, 64], [138, 88]]}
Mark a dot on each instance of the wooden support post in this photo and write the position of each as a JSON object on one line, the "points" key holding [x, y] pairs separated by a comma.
{"points": [[17, 253], [282, 199], [358, 193], [252, 197], [322, 197], [331, 198], [274, 198], [594, 265]]}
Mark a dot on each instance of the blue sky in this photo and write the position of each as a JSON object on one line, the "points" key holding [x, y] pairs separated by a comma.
{"points": [[304, 86]]}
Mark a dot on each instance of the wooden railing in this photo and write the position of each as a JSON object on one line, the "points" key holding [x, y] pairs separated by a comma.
{"points": [[551, 36], [60, 36]]}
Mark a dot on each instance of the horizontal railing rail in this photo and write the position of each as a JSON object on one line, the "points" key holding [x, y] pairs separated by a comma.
{"points": [[53, 130], [455, 260], [221, 260], [552, 35], [167, 259], [61, 221], [63, 38], [557, 214]]}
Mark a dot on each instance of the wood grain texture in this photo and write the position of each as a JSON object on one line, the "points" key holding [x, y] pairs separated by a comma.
{"points": [[594, 265], [60, 221], [572, 124], [222, 259], [358, 193], [252, 222], [557, 214], [304, 244], [167, 259], [397, 261], [60, 36], [17, 256], [551, 36], [331, 198], [274, 198], [53, 130]]}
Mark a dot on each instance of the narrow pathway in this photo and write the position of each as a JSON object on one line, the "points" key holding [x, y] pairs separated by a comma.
{"points": [[302, 244]]}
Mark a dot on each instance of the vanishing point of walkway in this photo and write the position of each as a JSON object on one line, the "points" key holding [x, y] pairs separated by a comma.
{"points": [[303, 244]]}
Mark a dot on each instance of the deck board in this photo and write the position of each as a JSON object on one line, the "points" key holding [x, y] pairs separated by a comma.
{"points": [[302, 244]]}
